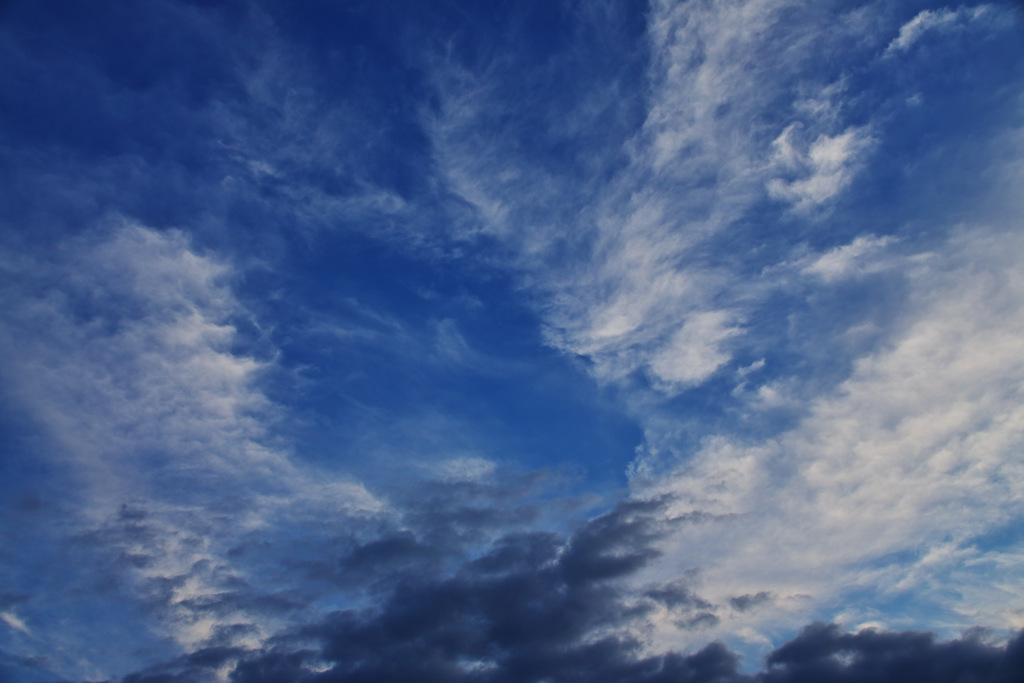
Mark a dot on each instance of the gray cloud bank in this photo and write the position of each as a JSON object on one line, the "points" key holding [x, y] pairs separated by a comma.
{"points": [[537, 607], [542, 606]]}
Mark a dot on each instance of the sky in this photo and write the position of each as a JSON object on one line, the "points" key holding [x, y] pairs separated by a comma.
{"points": [[513, 341]]}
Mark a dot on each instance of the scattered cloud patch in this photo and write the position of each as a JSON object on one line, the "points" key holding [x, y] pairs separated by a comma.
{"points": [[860, 256], [695, 351], [822, 168], [12, 620], [926, 421], [946, 21]]}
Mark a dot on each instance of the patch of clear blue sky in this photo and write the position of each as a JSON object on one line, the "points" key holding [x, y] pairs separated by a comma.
{"points": [[390, 346], [130, 90]]}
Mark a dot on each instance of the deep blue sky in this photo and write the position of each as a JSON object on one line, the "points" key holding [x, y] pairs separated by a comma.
{"points": [[511, 341]]}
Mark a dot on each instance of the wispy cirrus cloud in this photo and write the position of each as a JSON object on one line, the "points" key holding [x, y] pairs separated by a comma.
{"points": [[637, 270], [540, 605], [876, 489], [948, 20], [650, 293], [858, 257], [120, 346]]}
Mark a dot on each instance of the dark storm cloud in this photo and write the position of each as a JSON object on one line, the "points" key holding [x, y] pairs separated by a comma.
{"points": [[824, 653], [529, 605], [242, 597], [699, 621], [615, 544], [396, 549], [821, 653], [689, 611], [441, 525], [496, 606], [742, 603], [451, 514], [678, 594], [192, 668]]}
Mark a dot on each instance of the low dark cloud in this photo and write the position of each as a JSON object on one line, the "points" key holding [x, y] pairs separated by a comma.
{"points": [[532, 605], [822, 652], [690, 611], [355, 651], [678, 594], [527, 605], [443, 525], [742, 603], [698, 621], [454, 598]]}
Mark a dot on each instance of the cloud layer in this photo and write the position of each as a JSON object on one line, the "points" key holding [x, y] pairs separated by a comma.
{"points": [[614, 341]]}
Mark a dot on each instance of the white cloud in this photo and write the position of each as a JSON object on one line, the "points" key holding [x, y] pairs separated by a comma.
{"points": [[823, 168], [887, 481], [12, 620], [122, 345], [911, 452], [695, 350], [468, 468], [119, 345], [859, 257], [753, 367], [639, 295], [947, 20], [124, 342]]}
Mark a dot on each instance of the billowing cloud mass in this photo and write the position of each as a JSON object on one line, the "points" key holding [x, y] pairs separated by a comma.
{"points": [[463, 342]]}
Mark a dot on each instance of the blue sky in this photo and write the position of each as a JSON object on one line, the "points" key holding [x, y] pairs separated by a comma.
{"points": [[511, 341]]}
